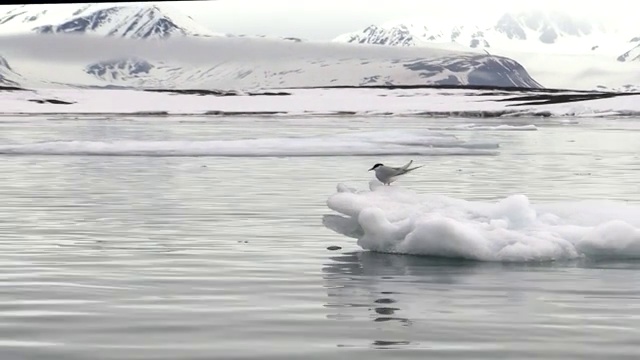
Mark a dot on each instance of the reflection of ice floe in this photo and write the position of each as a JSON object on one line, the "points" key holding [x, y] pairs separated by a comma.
{"points": [[445, 304], [379, 287], [360, 296], [410, 142], [397, 301], [396, 220]]}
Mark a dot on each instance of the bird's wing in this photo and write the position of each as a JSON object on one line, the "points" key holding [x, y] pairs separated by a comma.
{"points": [[388, 172]]}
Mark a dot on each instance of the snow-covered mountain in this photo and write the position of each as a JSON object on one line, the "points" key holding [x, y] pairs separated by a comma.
{"points": [[532, 31], [132, 20], [557, 49], [548, 28], [308, 64], [477, 70], [283, 63]]}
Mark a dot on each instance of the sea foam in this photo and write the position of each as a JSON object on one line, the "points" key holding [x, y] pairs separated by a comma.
{"points": [[395, 220], [393, 142]]}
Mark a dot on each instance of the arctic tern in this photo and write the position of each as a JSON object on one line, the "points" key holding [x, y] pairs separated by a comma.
{"points": [[389, 174]]}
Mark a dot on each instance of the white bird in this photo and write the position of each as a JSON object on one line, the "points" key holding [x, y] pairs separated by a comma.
{"points": [[389, 174]]}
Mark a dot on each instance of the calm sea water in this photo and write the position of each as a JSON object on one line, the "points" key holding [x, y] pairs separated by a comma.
{"points": [[170, 257]]}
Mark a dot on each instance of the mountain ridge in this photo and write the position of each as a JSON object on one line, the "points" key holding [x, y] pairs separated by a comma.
{"points": [[133, 20], [290, 63], [533, 31], [557, 49], [434, 65]]}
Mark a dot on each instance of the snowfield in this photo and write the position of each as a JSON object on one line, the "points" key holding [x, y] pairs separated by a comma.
{"points": [[323, 101]]}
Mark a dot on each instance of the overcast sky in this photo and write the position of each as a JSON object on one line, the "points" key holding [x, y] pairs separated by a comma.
{"points": [[326, 19]]}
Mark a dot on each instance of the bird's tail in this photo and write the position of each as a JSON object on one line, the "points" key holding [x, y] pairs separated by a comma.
{"points": [[413, 168], [404, 168]]}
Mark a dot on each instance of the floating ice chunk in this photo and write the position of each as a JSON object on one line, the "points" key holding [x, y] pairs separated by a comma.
{"points": [[395, 220], [613, 239]]}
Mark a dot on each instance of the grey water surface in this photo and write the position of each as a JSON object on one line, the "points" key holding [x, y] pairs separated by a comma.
{"points": [[205, 257]]}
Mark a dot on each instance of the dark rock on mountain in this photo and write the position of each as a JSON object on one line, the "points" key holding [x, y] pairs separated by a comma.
{"points": [[117, 68], [80, 24], [397, 36], [481, 70], [6, 72], [131, 21]]}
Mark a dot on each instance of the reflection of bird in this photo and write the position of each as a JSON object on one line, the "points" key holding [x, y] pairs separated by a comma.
{"points": [[388, 174]]}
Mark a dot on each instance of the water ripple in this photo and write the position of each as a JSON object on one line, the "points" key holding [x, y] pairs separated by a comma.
{"points": [[201, 258]]}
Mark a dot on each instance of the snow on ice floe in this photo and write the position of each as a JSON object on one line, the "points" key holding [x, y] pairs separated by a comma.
{"points": [[392, 219], [396, 142]]}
